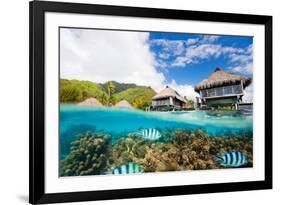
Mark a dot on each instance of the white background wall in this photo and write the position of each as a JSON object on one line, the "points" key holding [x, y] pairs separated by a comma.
{"points": [[14, 100]]}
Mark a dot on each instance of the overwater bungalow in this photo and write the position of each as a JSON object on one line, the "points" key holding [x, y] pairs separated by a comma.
{"points": [[92, 102], [222, 88], [168, 99], [124, 104]]}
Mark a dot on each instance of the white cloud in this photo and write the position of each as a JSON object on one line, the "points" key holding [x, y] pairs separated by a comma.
{"points": [[250, 49], [243, 61], [231, 50], [244, 69], [184, 90], [192, 41], [164, 55], [209, 39], [196, 53], [198, 50], [172, 47], [100, 56], [239, 58]]}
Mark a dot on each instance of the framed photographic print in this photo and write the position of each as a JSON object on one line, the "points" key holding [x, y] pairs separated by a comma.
{"points": [[140, 102]]}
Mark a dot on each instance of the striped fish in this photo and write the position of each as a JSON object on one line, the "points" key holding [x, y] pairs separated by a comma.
{"points": [[232, 159], [149, 134], [128, 168]]}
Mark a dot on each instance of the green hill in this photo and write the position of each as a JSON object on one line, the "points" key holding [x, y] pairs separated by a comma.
{"points": [[139, 97], [73, 91], [119, 87]]}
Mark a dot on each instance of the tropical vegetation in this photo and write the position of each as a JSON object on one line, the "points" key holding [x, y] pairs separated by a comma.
{"points": [[73, 91], [109, 93]]}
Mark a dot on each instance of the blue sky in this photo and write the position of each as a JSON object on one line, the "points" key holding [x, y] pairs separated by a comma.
{"points": [[190, 58]]}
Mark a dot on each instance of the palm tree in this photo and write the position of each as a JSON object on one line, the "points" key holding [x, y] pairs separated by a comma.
{"points": [[110, 89], [189, 103], [104, 99]]}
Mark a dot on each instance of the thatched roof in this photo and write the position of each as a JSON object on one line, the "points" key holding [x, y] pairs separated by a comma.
{"points": [[93, 102], [168, 92], [124, 104], [221, 78]]}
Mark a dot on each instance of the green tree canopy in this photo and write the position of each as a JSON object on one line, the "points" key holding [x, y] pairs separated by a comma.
{"points": [[73, 91]]}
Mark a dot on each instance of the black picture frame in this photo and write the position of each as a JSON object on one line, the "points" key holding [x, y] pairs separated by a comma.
{"points": [[37, 194]]}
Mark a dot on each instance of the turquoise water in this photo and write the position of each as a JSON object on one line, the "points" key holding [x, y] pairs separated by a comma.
{"points": [[117, 122]]}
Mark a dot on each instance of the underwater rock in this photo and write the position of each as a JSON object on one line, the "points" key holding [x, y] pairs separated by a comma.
{"points": [[87, 156]]}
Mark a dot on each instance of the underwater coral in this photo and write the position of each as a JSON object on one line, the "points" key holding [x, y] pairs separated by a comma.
{"points": [[87, 156], [176, 150], [127, 149]]}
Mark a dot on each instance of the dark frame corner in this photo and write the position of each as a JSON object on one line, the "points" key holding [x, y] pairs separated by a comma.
{"points": [[37, 10]]}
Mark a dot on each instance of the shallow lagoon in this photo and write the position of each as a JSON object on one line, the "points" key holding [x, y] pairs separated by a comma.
{"points": [[98, 140], [75, 120], [121, 120]]}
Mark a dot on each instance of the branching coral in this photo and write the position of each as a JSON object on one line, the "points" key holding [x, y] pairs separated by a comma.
{"points": [[87, 156], [127, 149], [163, 157], [193, 151], [227, 144], [185, 150], [181, 150]]}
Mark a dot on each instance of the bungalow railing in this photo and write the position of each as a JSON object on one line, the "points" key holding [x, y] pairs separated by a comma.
{"points": [[160, 102], [222, 91]]}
